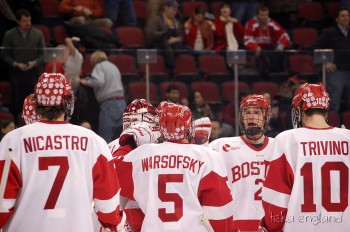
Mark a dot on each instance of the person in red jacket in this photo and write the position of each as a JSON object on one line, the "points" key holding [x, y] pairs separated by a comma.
{"points": [[85, 12], [199, 31], [262, 32], [228, 31]]}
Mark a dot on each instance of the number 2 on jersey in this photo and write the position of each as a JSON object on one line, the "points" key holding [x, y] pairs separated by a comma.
{"points": [[163, 180], [307, 172], [257, 194], [62, 162]]}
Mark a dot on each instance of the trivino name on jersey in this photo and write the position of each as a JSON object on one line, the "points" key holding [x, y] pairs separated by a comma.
{"points": [[329, 147], [307, 184]]}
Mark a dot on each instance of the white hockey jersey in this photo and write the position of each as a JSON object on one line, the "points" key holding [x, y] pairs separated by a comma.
{"points": [[307, 184], [175, 184], [57, 171], [246, 172]]}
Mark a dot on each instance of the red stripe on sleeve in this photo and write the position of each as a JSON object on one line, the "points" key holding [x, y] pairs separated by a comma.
{"points": [[106, 184], [13, 185], [214, 191], [124, 170], [280, 176]]}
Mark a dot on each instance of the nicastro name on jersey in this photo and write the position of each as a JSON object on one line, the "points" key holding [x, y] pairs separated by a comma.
{"points": [[56, 142]]}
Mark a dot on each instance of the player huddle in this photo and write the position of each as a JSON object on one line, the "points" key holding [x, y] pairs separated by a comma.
{"points": [[162, 175]]}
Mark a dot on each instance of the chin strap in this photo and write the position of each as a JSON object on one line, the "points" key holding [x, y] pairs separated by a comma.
{"points": [[254, 131], [189, 136], [251, 131]]}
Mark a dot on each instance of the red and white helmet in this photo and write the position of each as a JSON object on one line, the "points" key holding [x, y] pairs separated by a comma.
{"points": [[176, 122], [256, 101], [308, 96], [139, 110], [53, 89], [28, 112], [202, 130], [162, 105]]}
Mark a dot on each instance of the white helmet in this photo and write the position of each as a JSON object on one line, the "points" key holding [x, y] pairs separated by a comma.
{"points": [[139, 110]]}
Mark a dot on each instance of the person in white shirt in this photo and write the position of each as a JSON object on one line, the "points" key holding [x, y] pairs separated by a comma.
{"points": [[52, 170], [307, 184], [244, 158], [72, 62]]}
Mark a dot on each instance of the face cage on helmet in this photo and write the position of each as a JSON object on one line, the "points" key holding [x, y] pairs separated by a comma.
{"points": [[265, 125], [131, 119], [69, 110], [201, 137]]}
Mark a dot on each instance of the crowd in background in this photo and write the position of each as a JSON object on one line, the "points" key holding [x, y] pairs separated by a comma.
{"points": [[168, 26]]}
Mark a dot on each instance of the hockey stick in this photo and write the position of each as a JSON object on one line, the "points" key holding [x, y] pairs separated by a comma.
{"points": [[5, 174], [206, 223]]}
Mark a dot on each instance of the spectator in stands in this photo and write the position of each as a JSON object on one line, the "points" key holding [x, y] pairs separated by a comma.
{"points": [[338, 72], [108, 88], [85, 12], [114, 8], [244, 10], [216, 129], [228, 31], [201, 109], [198, 107], [164, 32], [172, 93], [33, 6], [71, 63], [262, 32], [153, 8], [199, 32], [275, 124], [6, 127], [23, 63]]}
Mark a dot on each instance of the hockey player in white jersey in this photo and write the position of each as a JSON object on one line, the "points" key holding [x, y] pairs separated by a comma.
{"points": [[307, 184], [179, 186], [244, 158], [138, 111], [54, 170], [140, 126]]}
